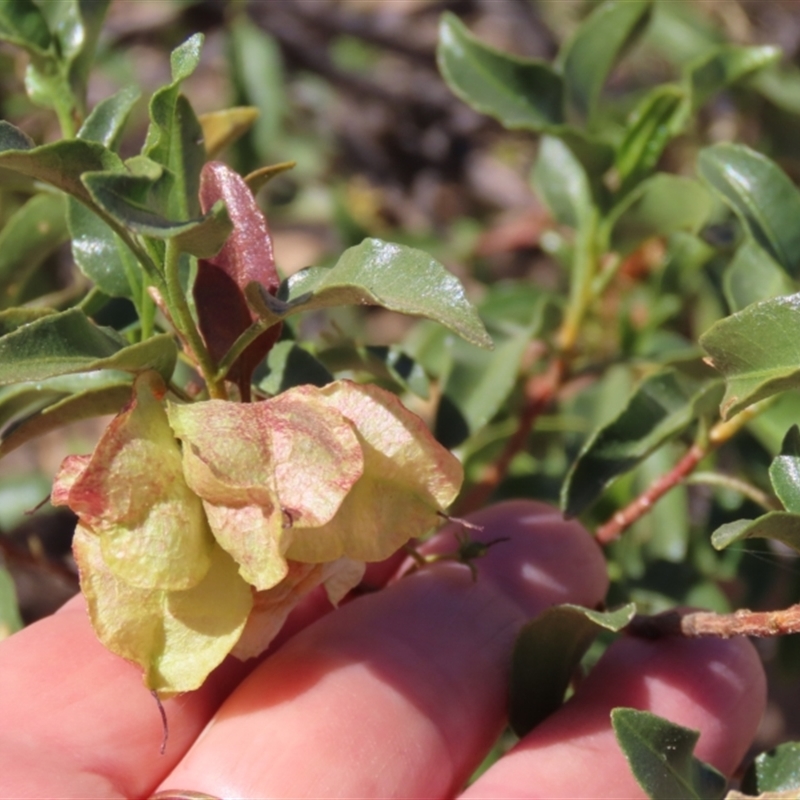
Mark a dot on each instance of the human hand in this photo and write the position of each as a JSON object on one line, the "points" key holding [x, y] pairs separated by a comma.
{"points": [[400, 693]]}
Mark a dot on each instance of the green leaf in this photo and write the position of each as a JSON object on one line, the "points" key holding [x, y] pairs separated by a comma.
{"points": [[101, 255], [108, 118], [587, 59], [784, 526], [60, 164], [659, 206], [724, 66], [662, 407], [67, 342], [23, 24], [13, 318], [784, 472], [763, 197], [755, 350], [289, 365], [520, 92], [139, 203], [175, 137], [393, 276], [10, 620], [753, 276], [658, 118], [561, 181], [477, 385], [660, 754], [27, 239], [26, 398], [90, 403], [777, 770], [546, 653], [76, 26]]}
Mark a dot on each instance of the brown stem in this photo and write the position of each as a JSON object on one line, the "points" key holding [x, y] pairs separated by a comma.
{"points": [[13, 553], [625, 517], [707, 623], [540, 390], [718, 435]]}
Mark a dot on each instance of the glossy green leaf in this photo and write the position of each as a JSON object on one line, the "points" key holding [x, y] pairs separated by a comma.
{"points": [[101, 255], [762, 196], [60, 164], [138, 202], [393, 276], [546, 653], [175, 137], [23, 24], [59, 344], [662, 407], [10, 619], [107, 120], [659, 206], [784, 472], [784, 526], [660, 754], [724, 66], [561, 181], [290, 365], [25, 398], [658, 118], [27, 239], [520, 92], [587, 59], [87, 404], [76, 26], [753, 276], [755, 350], [777, 770]]}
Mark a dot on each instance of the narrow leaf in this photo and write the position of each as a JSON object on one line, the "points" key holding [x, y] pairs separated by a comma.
{"points": [[67, 342], [662, 407], [755, 350], [660, 754], [586, 60], [60, 164], [762, 196], [521, 93], [137, 203], [107, 120], [658, 118], [546, 653]]}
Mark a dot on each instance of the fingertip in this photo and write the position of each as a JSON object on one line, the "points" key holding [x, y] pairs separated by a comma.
{"points": [[531, 548]]}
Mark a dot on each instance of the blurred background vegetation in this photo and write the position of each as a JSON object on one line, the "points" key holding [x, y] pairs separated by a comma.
{"points": [[349, 89]]}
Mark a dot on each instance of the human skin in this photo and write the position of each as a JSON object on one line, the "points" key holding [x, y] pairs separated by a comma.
{"points": [[399, 693]]}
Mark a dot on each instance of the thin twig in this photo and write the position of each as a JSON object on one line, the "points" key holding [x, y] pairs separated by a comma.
{"points": [[694, 624], [624, 518], [718, 435]]}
